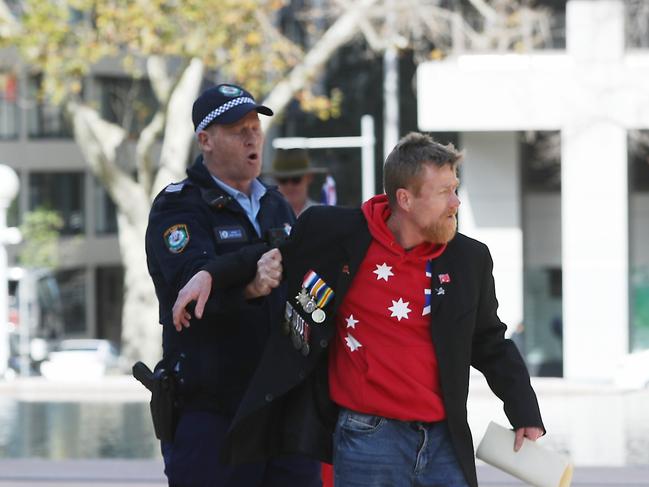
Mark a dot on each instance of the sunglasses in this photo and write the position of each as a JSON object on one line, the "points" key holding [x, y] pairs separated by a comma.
{"points": [[291, 180]]}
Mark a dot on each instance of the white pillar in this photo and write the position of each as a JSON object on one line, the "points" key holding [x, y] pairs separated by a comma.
{"points": [[595, 232], [8, 190], [490, 211], [595, 250]]}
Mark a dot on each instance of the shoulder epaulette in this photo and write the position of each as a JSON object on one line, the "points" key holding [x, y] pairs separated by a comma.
{"points": [[175, 187]]}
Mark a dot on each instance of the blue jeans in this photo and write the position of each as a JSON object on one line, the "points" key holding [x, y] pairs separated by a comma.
{"points": [[372, 451], [192, 459]]}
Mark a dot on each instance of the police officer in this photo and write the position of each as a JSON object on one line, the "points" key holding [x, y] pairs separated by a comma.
{"points": [[220, 207]]}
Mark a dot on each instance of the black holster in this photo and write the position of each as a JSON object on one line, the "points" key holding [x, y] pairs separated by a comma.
{"points": [[164, 398]]}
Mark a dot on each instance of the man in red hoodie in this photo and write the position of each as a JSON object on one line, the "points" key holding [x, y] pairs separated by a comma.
{"points": [[388, 307]]}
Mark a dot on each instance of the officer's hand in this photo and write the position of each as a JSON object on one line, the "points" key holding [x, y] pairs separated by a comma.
{"points": [[268, 277], [197, 289], [529, 432]]}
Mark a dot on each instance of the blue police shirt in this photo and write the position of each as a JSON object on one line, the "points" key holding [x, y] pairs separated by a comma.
{"points": [[250, 204]]}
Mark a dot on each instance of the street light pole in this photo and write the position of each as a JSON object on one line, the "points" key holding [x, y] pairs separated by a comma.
{"points": [[8, 190]]}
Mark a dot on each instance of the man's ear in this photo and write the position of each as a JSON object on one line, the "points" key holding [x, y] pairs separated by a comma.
{"points": [[203, 140], [404, 199]]}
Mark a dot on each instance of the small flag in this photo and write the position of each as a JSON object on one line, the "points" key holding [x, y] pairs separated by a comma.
{"points": [[444, 278], [329, 192]]}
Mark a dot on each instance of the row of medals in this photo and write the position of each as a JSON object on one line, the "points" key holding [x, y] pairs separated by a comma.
{"points": [[294, 324]]}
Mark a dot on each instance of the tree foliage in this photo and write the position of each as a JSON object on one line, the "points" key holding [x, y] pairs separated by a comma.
{"points": [[65, 39], [40, 231]]}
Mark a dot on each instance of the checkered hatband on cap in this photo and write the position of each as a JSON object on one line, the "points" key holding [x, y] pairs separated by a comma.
{"points": [[221, 110]]}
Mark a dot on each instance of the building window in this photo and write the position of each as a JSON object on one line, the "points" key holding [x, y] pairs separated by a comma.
{"points": [[45, 119], [129, 103], [72, 287], [105, 211], [8, 106], [540, 336], [62, 192], [638, 238], [541, 155]]}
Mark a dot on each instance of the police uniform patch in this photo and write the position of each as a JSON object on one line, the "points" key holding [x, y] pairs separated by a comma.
{"points": [[230, 90], [230, 234], [176, 238]]}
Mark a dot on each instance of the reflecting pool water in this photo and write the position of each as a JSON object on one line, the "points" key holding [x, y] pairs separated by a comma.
{"points": [[595, 425], [62, 430]]}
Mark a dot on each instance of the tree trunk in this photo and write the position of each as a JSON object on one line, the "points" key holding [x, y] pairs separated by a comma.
{"points": [[141, 331]]}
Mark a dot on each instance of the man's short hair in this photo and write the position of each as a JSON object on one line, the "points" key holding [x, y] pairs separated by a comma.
{"points": [[405, 163]]}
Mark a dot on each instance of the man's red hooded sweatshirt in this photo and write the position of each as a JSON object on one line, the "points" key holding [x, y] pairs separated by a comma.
{"points": [[383, 361]]}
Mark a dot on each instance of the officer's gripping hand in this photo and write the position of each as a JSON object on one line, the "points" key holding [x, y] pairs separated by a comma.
{"points": [[197, 289], [268, 277], [530, 432]]}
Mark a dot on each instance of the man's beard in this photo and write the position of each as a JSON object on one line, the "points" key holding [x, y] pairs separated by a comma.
{"points": [[442, 231]]}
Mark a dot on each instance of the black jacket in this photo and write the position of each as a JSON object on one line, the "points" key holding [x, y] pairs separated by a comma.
{"points": [[287, 408], [190, 223]]}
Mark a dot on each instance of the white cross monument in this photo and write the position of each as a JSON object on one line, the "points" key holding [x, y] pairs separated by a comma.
{"points": [[594, 92]]}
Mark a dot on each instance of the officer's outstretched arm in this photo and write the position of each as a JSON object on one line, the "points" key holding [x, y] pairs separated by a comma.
{"points": [[180, 242], [199, 287]]}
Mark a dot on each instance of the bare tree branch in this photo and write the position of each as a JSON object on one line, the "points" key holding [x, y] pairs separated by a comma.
{"points": [[99, 142], [178, 134], [485, 10], [293, 52], [372, 36], [160, 78], [143, 157], [302, 75]]}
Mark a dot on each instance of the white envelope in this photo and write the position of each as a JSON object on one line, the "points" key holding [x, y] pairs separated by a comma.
{"points": [[533, 463]]}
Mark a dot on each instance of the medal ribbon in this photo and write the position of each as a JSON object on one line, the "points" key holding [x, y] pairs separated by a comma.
{"points": [[309, 279], [324, 296], [317, 288]]}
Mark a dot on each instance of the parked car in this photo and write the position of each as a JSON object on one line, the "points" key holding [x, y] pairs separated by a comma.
{"points": [[82, 359]]}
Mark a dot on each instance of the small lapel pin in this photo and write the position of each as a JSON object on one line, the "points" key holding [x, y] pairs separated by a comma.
{"points": [[444, 278], [345, 269], [440, 291]]}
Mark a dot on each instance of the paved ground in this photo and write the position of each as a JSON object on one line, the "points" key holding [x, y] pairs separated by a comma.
{"points": [[148, 473]]}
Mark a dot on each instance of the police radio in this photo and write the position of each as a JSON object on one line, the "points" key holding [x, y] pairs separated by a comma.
{"points": [[220, 202]]}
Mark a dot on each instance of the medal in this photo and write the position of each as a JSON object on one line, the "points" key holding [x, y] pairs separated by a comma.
{"points": [[288, 314], [310, 306], [318, 316], [307, 338], [297, 341], [293, 324], [314, 296], [302, 297], [298, 335]]}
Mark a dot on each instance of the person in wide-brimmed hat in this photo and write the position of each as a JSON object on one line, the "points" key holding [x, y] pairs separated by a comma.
{"points": [[293, 173]]}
